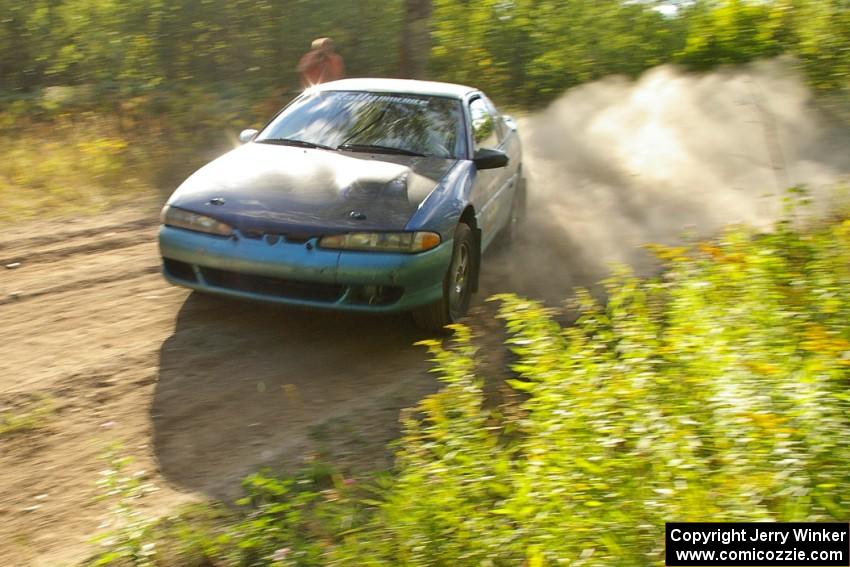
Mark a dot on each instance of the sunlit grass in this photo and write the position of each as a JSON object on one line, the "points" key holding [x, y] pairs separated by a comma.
{"points": [[66, 167], [31, 416]]}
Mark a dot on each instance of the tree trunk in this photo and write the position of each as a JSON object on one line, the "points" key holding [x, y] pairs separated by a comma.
{"points": [[415, 39]]}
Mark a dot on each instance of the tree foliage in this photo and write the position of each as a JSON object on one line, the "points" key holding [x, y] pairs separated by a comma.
{"points": [[157, 43], [522, 51]]}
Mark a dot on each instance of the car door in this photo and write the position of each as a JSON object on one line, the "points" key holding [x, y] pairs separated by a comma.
{"points": [[485, 135]]}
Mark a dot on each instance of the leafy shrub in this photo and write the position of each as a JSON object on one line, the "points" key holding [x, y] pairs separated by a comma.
{"points": [[279, 521], [715, 392]]}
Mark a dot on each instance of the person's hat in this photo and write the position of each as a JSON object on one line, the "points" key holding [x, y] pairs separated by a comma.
{"points": [[322, 42]]}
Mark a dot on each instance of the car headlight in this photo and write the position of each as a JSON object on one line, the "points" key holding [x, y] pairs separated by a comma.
{"points": [[408, 242], [179, 218]]}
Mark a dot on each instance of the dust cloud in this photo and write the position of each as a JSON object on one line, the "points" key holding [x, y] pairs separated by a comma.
{"points": [[615, 164]]}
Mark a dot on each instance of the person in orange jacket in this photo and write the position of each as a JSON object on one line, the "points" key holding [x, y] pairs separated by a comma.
{"points": [[321, 64]]}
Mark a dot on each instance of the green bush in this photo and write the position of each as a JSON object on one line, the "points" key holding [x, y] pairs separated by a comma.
{"points": [[715, 392]]}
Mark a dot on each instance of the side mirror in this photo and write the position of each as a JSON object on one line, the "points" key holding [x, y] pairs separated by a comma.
{"points": [[509, 121], [246, 136], [490, 159]]}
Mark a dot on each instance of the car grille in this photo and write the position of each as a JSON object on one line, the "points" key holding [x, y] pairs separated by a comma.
{"points": [[291, 237], [271, 286], [283, 288]]}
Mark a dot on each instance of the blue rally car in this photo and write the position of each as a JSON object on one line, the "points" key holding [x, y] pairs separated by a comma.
{"points": [[363, 194]]}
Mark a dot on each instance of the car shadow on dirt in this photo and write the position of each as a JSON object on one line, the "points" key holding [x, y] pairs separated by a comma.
{"points": [[244, 385]]}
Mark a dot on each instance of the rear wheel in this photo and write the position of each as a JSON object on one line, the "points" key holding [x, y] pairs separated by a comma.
{"points": [[457, 284]]}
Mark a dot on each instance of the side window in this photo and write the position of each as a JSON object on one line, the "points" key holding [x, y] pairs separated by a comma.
{"points": [[497, 120], [483, 127]]}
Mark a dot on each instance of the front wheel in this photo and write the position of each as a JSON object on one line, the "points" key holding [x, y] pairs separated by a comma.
{"points": [[457, 284]]}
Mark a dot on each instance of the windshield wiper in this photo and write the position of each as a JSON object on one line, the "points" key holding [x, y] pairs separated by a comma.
{"points": [[378, 149], [294, 142]]}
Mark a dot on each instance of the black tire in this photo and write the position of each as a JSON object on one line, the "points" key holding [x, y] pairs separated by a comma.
{"points": [[457, 284], [514, 228]]}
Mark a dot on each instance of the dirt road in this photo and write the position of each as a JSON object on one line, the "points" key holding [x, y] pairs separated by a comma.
{"points": [[97, 349]]}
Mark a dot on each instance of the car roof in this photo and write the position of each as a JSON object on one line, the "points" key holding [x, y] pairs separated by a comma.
{"points": [[405, 86]]}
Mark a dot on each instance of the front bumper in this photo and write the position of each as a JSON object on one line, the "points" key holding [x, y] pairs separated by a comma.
{"points": [[301, 273]]}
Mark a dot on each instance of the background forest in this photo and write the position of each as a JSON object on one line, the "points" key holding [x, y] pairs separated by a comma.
{"points": [[522, 51]]}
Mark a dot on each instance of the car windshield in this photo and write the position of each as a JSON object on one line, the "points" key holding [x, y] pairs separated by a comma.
{"points": [[379, 122]]}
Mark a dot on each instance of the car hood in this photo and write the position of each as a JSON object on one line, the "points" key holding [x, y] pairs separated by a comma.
{"points": [[261, 188]]}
